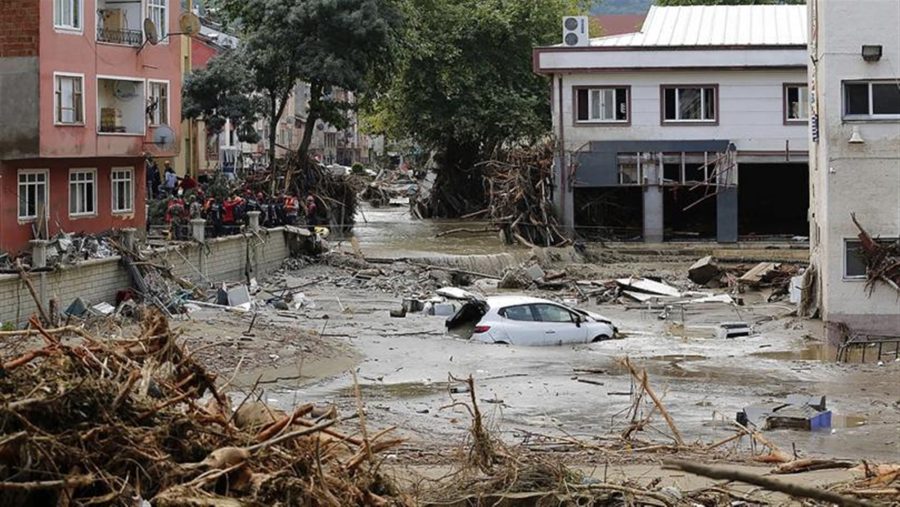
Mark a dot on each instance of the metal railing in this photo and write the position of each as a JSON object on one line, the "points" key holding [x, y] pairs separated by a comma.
{"points": [[126, 37]]}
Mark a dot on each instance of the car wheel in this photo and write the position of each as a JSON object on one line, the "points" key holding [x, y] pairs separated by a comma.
{"points": [[600, 338]]}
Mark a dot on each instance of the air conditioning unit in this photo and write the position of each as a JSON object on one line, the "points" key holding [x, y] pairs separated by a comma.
{"points": [[575, 31]]}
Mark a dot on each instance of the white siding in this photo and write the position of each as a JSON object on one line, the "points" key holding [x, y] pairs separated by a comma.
{"points": [[750, 109], [860, 178]]}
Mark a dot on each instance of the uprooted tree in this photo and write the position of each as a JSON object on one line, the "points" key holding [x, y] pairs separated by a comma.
{"points": [[464, 87]]}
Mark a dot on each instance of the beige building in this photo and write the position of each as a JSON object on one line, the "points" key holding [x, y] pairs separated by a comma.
{"points": [[854, 83]]}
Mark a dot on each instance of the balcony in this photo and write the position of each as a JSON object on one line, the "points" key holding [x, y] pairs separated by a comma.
{"points": [[119, 22], [125, 37]]}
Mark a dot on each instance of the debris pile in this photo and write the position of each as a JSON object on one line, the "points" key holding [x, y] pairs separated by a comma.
{"points": [[882, 259], [519, 192], [389, 188], [336, 193], [88, 420]]}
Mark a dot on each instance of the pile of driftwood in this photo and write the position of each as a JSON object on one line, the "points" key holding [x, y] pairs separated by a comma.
{"points": [[519, 194], [336, 195], [96, 421], [882, 259], [489, 472]]}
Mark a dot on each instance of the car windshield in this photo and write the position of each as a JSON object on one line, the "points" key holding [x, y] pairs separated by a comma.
{"points": [[553, 313]]}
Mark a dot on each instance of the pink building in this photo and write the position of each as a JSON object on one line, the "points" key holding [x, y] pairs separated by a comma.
{"points": [[82, 97]]}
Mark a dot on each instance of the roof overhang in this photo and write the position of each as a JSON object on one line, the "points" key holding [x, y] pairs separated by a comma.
{"points": [[568, 60]]}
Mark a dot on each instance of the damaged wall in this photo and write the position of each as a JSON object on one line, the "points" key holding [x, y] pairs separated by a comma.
{"points": [[95, 281]]}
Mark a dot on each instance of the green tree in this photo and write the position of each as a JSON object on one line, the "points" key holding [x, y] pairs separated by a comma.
{"points": [[728, 2], [220, 92], [326, 43], [464, 85]]}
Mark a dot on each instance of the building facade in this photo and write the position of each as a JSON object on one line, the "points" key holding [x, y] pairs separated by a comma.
{"points": [[693, 128], [855, 156], [83, 96]]}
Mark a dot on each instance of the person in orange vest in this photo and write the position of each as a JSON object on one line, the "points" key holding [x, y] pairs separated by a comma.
{"points": [[291, 209], [176, 217]]}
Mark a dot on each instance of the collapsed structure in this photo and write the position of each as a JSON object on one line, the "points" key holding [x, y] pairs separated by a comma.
{"points": [[694, 127]]}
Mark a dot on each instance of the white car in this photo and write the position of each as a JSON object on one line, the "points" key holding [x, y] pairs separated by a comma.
{"points": [[522, 320]]}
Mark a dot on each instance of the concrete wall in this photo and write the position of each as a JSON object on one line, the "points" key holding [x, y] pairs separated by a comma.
{"points": [[750, 109], [221, 259], [19, 112], [859, 178]]}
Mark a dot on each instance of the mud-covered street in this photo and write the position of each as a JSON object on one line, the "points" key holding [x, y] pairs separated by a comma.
{"points": [[402, 364]]}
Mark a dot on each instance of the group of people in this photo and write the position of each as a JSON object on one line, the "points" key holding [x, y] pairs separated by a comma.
{"points": [[226, 216], [167, 183]]}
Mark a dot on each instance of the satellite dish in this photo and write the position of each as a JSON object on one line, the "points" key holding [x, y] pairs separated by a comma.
{"points": [[189, 23], [150, 32], [164, 137], [125, 91]]}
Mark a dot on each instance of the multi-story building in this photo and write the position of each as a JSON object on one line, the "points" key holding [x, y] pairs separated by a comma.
{"points": [[854, 82], [83, 95], [694, 127]]}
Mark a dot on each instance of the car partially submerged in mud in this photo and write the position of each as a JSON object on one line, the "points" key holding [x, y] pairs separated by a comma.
{"points": [[523, 320]]}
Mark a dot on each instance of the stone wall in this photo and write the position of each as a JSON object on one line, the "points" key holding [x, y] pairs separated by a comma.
{"points": [[218, 260]]}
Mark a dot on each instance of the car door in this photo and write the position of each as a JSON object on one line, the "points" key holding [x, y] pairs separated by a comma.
{"points": [[559, 325], [518, 326]]}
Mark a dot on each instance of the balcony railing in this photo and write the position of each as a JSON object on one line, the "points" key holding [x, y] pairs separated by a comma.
{"points": [[126, 37]]}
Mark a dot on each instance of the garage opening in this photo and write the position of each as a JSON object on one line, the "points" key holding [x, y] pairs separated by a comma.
{"points": [[773, 200], [611, 213], [689, 214]]}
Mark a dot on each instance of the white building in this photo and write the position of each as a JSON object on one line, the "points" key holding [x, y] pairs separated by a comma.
{"points": [[693, 128], [855, 155]]}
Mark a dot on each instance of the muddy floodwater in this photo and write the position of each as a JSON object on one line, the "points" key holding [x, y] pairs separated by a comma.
{"points": [[584, 390], [391, 232]]}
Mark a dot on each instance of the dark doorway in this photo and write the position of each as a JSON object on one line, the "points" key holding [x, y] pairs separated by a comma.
{"points": [[689, 214], [773, 200], [613, 213]]}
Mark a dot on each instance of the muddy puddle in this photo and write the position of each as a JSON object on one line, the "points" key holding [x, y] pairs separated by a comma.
{"points": [[812, 352], [403, 390]]}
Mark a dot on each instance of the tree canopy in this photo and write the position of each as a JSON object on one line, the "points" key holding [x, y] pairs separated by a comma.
{"points": [[220, 92], [464, 84], [325, 43]]}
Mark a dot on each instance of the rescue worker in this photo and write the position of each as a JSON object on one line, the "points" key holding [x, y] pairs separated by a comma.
{"points": [[291, 209]]}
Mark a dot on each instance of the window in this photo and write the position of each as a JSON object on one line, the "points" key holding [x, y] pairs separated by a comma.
{"points": [[158, 12], [69, 100], [82, 192], [553, 313], [122, 190], [872, 100], [520, 313], [330, 140], [689, 104], [33, 194], [796, 103], [854, 258], [599, 105], [67, 14], [159, 103]]}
